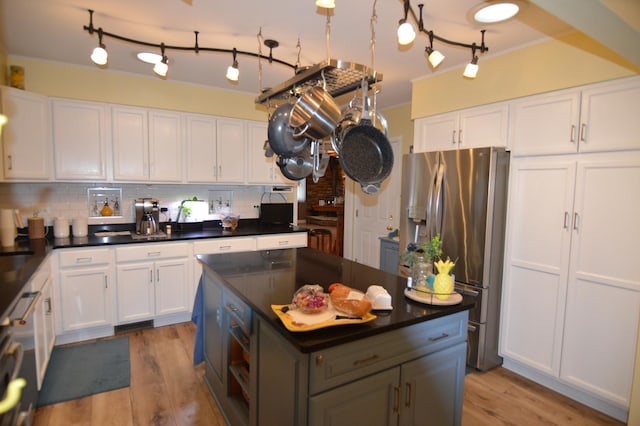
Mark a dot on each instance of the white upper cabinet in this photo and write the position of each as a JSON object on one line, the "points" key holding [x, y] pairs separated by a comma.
{"points": [[601, 117], [215, 149], [261, 169], [80, 138], [26, 138], [470, 128], [146, 145]]}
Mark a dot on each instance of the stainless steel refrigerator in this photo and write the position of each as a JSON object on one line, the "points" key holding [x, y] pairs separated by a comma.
{"points": [[462, 196]]}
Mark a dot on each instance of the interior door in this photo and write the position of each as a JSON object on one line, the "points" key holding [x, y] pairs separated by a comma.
{"points": [[368, 217]]}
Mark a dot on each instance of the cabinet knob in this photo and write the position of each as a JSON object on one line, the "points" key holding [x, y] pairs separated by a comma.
{"points": [[319, 360]]}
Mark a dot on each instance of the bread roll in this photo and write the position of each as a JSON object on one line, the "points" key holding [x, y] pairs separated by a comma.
{"points": [[350, 301]]}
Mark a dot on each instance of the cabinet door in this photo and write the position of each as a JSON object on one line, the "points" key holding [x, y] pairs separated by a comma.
{"points": [[609, 117], [26, 137], [165, 146], [536, 260], [374, 400], [135, 292], [85, 298], [80, 134], [484, 126], [439, 132], [171, 286], [432, 388], [202, 163], [45, 335], [260, 168], [603, 301], [130, 144], [545, 124], [231, 149]]}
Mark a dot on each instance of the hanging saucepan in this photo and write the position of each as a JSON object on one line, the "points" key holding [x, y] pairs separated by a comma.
{"points": [[365, 153], [351, 116], [315, 114], [280, 133], [298, 166]]}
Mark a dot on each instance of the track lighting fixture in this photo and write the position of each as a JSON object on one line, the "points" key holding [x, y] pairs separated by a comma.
{"points": [[161, 66], [99, 55], [471, 70], [405, 30], [232, 72], [326, 4], [434, 56], [406, 33]]}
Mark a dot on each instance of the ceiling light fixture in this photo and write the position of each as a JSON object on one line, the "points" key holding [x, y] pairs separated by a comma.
{"points": [[161, 68], [326, 4], [496, 12], [406, 33], [233, 72], [161, 62], [99, 55], [437, 56], [471, 70]]}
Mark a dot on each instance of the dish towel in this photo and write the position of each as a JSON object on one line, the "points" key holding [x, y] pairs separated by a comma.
{"points": [[197, 317]]}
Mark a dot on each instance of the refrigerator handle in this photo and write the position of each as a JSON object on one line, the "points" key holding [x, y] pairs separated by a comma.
{"points": [[436, 221]]}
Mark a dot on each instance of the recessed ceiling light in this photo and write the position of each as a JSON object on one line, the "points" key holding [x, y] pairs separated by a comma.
{"points": [[496, 12], [150, 58]]}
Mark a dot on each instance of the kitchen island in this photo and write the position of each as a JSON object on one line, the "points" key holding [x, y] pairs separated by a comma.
{"points": [[405, 367]]}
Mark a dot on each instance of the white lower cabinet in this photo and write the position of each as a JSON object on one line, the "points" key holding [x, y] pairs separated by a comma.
{"points": [[43, 319], [86, 289], [571, 297], [153, 281]]}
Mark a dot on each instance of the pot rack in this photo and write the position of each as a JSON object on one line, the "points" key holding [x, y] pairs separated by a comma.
{"points": [[341, 77]]}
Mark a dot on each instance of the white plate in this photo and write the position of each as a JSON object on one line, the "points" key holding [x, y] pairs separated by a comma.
{"points": [[430, 299]]}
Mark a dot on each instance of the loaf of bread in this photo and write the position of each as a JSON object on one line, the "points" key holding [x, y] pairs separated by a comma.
{"points": [[349, 301]]}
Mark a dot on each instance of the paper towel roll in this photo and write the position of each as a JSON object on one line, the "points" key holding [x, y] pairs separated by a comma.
{"points": [[7, 228]]}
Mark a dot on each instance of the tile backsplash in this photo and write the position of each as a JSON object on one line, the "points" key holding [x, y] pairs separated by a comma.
{"points": [[69, 200]]}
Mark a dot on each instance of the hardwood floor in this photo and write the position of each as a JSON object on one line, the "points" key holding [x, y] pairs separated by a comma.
{"points": [[167, 390]]}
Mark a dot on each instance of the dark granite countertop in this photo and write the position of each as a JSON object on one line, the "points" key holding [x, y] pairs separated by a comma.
{"points": [[20, 262], [248, 275]]}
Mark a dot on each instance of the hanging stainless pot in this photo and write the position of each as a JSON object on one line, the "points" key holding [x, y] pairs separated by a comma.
{"points": [[315, 114], [281, 134], [296, 167], [365, 153]]}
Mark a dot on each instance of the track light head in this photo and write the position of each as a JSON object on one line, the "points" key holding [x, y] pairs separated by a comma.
{"points": [[326, 4], [406, 33], [233, 73], [161, 68], [471, 70], [99, 56], [434, 56]]}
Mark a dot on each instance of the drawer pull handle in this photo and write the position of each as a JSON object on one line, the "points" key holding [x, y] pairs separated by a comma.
{"points": [[372, 358], [396, 399], [283, 243], [224, 248], [435, 339], [84, 259], [153, 253], [319, 360], [407, 399]]}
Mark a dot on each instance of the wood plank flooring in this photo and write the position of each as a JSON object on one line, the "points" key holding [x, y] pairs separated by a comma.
{"points": [[167, 390]]}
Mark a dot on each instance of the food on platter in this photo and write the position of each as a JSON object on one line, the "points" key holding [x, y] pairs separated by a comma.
{"points": [[348, 300], [310, 299]]}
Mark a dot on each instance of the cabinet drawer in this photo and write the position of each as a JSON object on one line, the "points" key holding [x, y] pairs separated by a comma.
{"points": [[224, 245], [84, 257], [239, 311], [151, 251], [342, 364], [296, 239]]}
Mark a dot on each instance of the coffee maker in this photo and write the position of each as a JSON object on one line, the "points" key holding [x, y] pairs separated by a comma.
{"points": [[146, 207]]}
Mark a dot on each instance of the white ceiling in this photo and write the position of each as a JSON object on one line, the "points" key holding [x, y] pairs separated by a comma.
{"points": [[53, 30]]}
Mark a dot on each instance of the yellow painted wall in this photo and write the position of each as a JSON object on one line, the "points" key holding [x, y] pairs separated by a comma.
{"points": [[570, 61], [400, 124], [66, 81]]}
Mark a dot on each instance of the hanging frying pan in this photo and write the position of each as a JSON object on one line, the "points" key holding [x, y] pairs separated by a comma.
{"points": [[366, 155], [296, 167], [280, 133]]}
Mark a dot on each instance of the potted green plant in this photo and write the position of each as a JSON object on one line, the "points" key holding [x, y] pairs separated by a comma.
{"points": [[431, 250]]}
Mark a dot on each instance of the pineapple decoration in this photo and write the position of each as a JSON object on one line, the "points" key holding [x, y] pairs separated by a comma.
{"points": [[443, 284]]}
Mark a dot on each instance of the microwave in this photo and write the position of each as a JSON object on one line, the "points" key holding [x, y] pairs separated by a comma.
{"points": [[272, 214]]}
